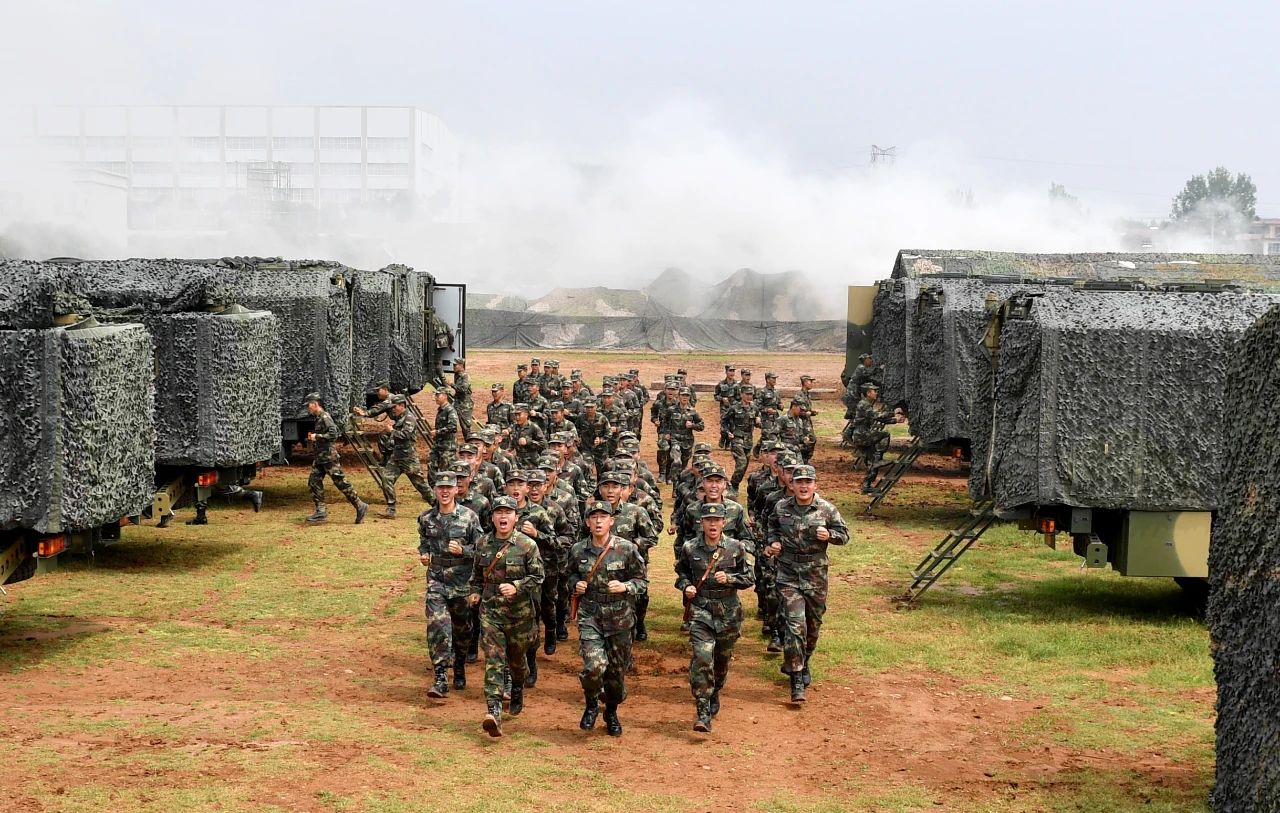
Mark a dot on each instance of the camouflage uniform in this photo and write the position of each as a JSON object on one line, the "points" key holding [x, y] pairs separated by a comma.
{"points": [[726, 394], [715, 617], [463, 403], [675, 434], [536, 441], [605, 620], [327, 462], [739, 421], [760, 485], [498, 413], [802, 572], [538, 406], [479, 505], [616, 415], [793, 431], [404, 460], [444, 444], [448, 581], [385, 442], [509, 625], [592, 429], [519, 389], [769, 404], [735, 525], [868, 434], [554, 555]]}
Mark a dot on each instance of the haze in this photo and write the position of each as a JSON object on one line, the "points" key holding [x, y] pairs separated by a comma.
{"points": [[605, 142]]}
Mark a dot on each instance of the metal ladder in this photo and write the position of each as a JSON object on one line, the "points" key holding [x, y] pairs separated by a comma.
{"points": [[939, 560], [364, 451], [891, 477], [424, 427]]}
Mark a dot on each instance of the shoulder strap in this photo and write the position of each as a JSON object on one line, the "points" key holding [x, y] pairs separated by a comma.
{"points": [[715, 557], [497, 557], [599, 560]]}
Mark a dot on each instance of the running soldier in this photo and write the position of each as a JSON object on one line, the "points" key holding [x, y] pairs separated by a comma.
{"points": [[526, 438], [726, 395], [593, 433], [447, 538], [508, 572], [444, 443], [868, 433], [711, 569], [739, 423], [463, 402], [497, 412], [609, 574], [327, 464], [403, 459], [800, 529], [381, 407], [769, 403]]}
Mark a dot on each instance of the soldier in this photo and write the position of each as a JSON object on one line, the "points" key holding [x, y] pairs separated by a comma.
{"points": [[769, 402], [572, 406], [552, 381], [554, 550], [800, 529], [462, 396], [563, 495], [634, 524], [537, 406], [470, 496], [616, 414], [527, 438], [740, 422], [804, 397], [557, 421], [681, 422], [497, 411], [867, 371], [795, 432], [744, 382], [630, 402], [657, 414], [535, 373], [868, 433], [508, 573], [444, 444], [609, 575], [711, 569], [726, 393], [642, 394], [403, 458], [581, 389], [444, 337], [520, 387], [771, 481], [327, 463], [381, 407], [594, 431], [447, 538], [534, 522]]}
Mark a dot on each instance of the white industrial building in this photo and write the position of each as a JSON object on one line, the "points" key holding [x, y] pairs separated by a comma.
{"points": [[196, 166]]}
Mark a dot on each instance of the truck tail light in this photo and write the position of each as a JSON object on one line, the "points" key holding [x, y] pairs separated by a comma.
{"points": [[206, 479], [1047, 525], [51, 546]]}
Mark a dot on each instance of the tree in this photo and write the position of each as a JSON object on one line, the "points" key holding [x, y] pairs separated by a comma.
{"points": [[1218, 190]]}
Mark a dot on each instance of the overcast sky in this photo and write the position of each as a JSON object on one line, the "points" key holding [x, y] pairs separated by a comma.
{"points": [[1121, 102]]}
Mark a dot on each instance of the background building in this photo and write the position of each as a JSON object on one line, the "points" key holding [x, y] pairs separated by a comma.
{"points": [[210, 168]]}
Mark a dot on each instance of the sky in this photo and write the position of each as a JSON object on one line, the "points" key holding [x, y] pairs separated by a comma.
{"points": [[748, 114]]}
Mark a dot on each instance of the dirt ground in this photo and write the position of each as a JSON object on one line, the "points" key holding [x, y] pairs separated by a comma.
{"points": [[324, 708]]}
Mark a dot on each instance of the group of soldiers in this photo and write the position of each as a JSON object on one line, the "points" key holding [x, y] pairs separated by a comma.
{"points": [[546, 514]]}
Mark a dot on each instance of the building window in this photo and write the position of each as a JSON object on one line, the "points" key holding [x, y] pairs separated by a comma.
{"points": [[152, 168], [109, 166], [246, 142], [201, 169], [301, 168], [203, 142], [340, 169], [388, 169], [386, 143], [292, 143], [340, 143]]}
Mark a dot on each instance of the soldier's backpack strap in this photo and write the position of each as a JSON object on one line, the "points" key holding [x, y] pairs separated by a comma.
{"points": [[573, 609], [497, 557]]}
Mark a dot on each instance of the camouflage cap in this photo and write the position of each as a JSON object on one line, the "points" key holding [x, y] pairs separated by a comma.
{"points": [[686, 391], [445, 478], [559, 437], [576, 375], [461, 469], [788, 459], [475, 437], [489, 436], [446, 390], [398, 400], [864, 357], [770, 374], [625, 452], [517, 475], [549, 463], [672, 384], [633, 371], [606, 393], [566, 386], [803, 472], [535, 476], [459, 361], [504, 502], [520, 367], [468, 448], [702, 447], [535, 360], [807, 378], [520, 407], [536, 384], [496, 387], [622, 478], [870, 385], [627, 435], [744, 371], [769, 446], [681, 371], [713, 510], [702, 461], [554, 363], [599, 507], [555, 405], [589, 403], [311, 396], [729, 367], [714, 470], [747, 389]]}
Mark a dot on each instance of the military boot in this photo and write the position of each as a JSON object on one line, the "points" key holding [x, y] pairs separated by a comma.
{"points": [[493, 720], [321, 514], [441, 687], [714, 702], [703, 722], [362, 508], [201, 518], [549, 639], [612, 725], [562, 630], [590, 712], [642, 632], [797, 687], [506, 685], [808, 678], [517, 700], [459, 673], [390, 513], [532, 680], [775, 642]]}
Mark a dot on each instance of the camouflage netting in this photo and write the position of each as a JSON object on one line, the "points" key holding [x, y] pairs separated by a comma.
{"points": [[890, 336], [217, 388], [517, 330], [372, 311], [1110, 400], [949, 358], [312, 304], [1244, 574], [76, 430], [407, 335]]}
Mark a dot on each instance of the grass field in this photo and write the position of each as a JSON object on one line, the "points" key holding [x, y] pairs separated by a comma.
{"points": [[259, 664]]}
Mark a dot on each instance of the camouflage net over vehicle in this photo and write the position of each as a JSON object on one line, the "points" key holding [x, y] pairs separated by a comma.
{"points": [[76, 433], [1244, 575], [1109, 399]]}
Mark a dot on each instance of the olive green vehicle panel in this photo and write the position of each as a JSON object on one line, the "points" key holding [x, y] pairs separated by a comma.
{"points": [[858, 324], [1165, 543]]}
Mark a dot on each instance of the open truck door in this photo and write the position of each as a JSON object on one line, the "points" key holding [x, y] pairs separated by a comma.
{"points": [[450, 303]]}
